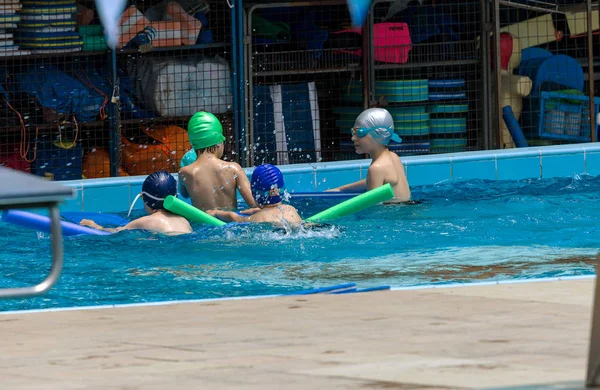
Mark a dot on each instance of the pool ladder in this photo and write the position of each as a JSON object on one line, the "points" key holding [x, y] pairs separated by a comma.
{"points": [[20, 190]]}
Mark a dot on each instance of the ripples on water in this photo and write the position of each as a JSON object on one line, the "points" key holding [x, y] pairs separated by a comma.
{"points": [[461, 232]]}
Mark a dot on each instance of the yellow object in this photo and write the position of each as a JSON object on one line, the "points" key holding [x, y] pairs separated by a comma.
{"points": [[533, 32], [577, 22]]}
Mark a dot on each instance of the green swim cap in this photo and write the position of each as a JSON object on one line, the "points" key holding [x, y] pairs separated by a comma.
{"points": [[205, 130]]}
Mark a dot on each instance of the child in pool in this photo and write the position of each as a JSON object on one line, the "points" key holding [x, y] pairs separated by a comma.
{"points": [[210, 182], [267, 188], [372, 131], [155, 189]]}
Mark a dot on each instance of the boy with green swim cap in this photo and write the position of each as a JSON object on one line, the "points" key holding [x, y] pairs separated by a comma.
{"points": [[372, 131], [210, 182]]}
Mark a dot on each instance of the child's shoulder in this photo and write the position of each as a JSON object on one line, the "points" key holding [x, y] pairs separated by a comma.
{"points": [[289, 207], [384, 160]]}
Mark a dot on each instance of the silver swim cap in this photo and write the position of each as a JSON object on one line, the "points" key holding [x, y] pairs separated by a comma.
{"points": [[379, 123]]}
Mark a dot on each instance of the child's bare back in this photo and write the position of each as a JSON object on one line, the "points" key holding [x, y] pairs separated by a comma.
{"points": [[212, 183], [267, 191], [277, 214], [387, 168], [164, 222]]}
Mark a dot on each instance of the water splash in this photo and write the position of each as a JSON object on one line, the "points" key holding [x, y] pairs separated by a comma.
{"points": [[358, 11], [109, 12]]}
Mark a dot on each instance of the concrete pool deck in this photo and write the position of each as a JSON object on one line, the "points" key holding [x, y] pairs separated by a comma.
{"points": [[509, 336]]}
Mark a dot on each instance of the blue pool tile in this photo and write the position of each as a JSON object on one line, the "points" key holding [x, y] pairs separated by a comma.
{"points": [[428, 174], [106, 199], [592, 163], [333, 178], [469, 170], [75, 204], [134, 190], [519, 168], [562, 165], [299, 182]]}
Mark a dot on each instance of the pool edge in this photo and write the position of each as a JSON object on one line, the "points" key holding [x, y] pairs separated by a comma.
{"points": [[252, 297]]}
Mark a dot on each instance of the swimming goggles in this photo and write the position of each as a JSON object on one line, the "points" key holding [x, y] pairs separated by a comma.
{"points": [[360, 131], [148, 195]]}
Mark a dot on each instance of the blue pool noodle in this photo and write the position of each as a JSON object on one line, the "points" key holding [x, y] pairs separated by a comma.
{"points": [[513, 127], [346, 291], [325, 289], [42, 223], [362, 290]]}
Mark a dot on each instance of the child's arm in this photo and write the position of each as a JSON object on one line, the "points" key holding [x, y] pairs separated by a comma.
{"points": [[357, 186], [251, 211], [227, 216], [243, 186], [94, 225], [375, 177]]}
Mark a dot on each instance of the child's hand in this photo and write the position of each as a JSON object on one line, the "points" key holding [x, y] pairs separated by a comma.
{"points": [[88, 223], [333, 190], [212, 212], [251, 211]]}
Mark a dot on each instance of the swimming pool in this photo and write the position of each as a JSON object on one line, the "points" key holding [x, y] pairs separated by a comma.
{"points": [[462, 232]]}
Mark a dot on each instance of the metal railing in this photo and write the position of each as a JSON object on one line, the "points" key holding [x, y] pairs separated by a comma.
{"points": [[57, 259], [25, 191]]}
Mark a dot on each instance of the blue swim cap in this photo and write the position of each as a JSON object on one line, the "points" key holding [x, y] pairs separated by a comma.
{"points": [[267, 184], [157, 187]]}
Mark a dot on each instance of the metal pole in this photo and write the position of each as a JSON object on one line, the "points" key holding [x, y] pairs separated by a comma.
{"points": [[250, 131], [590, 37], [246, 88], [57, 262], [486, 123], [372, 98], [495, 129], [237, 70], [366, 60], [115, 131], [552, 9], [242, 75]]}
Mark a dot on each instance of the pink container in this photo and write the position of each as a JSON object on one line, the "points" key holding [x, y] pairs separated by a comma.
{"points": [[392, 42]]}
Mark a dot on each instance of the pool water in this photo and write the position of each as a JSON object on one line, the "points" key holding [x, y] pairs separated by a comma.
{"points": [[461, 232]]}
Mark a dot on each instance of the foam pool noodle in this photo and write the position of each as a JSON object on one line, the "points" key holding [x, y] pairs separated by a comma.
{"points": [[355, 204], [109, 12], [42, 223], [179, 207]]}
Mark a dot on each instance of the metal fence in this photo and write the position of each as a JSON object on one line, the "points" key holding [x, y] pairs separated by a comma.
{"points": [[60, 84], [425, 67], [546, 52], [288, 79], [301, 58]]}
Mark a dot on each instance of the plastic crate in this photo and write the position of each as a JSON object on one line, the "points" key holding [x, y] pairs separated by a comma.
{"points": [[566, 117]]}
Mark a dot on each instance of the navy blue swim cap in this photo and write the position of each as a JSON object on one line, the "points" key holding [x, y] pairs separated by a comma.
{"points": [[157, 187], [267, 184]]}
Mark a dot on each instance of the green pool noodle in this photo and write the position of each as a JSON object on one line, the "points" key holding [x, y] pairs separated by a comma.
{"points": [[355, 204], [179, 207]]}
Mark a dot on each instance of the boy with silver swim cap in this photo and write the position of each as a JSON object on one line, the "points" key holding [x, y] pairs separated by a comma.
{"points": [[155, 189], [372, 131], [210, 182], [267, 189]]}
